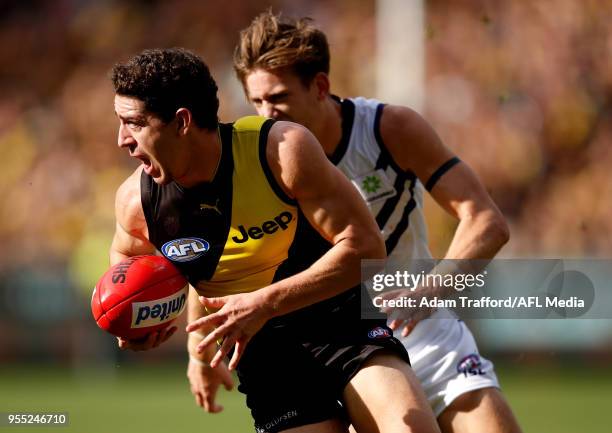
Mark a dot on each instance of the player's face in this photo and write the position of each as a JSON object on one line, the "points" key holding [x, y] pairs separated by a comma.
{"points": [[146, 137], [281, 95]]}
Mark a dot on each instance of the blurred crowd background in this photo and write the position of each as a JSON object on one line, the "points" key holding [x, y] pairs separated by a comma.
{"points": [[520, 90]]}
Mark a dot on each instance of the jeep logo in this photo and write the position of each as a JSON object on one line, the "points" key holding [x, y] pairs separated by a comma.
{"points": [[185, 249], [267, 228]]}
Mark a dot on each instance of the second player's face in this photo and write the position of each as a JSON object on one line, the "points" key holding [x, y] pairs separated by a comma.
{"points": [[281, 95], [146, 137]]}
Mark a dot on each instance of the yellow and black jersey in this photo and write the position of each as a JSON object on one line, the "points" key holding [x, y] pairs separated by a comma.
{"points": [[239, 232]]}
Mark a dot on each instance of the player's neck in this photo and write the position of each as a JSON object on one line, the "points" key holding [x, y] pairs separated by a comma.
{"points": [[329, 130], [204, 161]]}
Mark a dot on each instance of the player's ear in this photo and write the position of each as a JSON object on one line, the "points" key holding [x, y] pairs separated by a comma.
{"points": [[183, 119], [321, 82]]}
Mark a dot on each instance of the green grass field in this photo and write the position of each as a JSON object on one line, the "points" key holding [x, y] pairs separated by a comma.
{"points": [[156, 398]]}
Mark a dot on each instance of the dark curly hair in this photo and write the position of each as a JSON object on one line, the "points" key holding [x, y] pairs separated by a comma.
{"points": [[169, 79], [271, 42]]}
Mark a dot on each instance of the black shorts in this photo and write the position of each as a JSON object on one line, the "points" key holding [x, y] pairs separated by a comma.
{"points": [[295, 368]]}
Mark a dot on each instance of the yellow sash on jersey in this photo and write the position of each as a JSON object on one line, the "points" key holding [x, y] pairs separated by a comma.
{"points": [[262, 224]]}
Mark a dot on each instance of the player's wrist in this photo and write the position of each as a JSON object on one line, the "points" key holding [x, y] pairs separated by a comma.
{"points": [[199, 358], [196, 334], [203, 359], [198, 361], [269, 302]]}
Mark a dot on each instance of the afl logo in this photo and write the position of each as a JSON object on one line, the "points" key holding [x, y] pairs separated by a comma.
{"points": [[185, 249], [379, 332]]}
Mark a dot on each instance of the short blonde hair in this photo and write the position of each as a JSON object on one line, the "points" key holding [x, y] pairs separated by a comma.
{"points": [[271, 43]]}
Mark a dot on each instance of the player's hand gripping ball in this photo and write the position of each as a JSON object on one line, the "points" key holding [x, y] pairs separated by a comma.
{"points": [[139, 295]]}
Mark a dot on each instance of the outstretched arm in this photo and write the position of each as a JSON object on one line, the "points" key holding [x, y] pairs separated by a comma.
{"points": [[413, 144], [333, 207], [204, 380]]}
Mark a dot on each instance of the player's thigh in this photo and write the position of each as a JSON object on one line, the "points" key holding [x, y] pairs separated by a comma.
{"points": [[385, 396], [328, 426], [285, 386], [481, 410]]}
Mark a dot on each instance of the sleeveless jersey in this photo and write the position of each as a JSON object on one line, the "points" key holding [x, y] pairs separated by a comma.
{"points": [[438, 346], [394, 196], [239, 232]]}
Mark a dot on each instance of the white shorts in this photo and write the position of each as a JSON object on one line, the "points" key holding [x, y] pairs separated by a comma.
{"points": [[445, 359]]}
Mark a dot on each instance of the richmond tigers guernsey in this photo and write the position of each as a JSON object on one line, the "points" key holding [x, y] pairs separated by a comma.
{"points": [[239, 232]]}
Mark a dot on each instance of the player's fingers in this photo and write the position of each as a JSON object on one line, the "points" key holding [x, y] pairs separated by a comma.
{"points": [[387, 295], [166, 334], [388, 310], [206, 404], [238, 351], [215, 335], [392, 294], [213, 302], [212, 320], [122, 343], [161, 337], [199, 323], [198, 398], [226, 346], [408, 328], [226, 379], [209, 401], [138, 345], [394, 324], [150, 342]]}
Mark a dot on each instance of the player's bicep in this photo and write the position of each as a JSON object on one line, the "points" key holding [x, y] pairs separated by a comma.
{"points": [[333, 206], [126, 245], [131, 234], [415, 146], [329, 201], [412, 143]]}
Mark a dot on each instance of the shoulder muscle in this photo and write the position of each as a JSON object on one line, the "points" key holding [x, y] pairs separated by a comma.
{"points": [[412, 142]]}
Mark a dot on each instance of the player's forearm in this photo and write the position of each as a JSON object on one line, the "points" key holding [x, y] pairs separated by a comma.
{"points": [[479, 236], [195, 310], [116, 256], [477, 239], [126, 245], [335, 272]]}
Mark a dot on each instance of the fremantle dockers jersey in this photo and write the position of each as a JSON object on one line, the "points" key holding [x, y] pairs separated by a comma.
{"points": [[394, 196], [239, 232]]}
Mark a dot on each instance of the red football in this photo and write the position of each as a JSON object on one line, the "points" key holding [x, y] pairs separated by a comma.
{"points": [[139, 295]]}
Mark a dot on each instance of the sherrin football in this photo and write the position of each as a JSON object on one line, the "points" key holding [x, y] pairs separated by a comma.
{"points": [[139, 295]]}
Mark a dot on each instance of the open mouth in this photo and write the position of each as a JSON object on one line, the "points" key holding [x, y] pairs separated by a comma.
{"points": [[146, 162]]}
